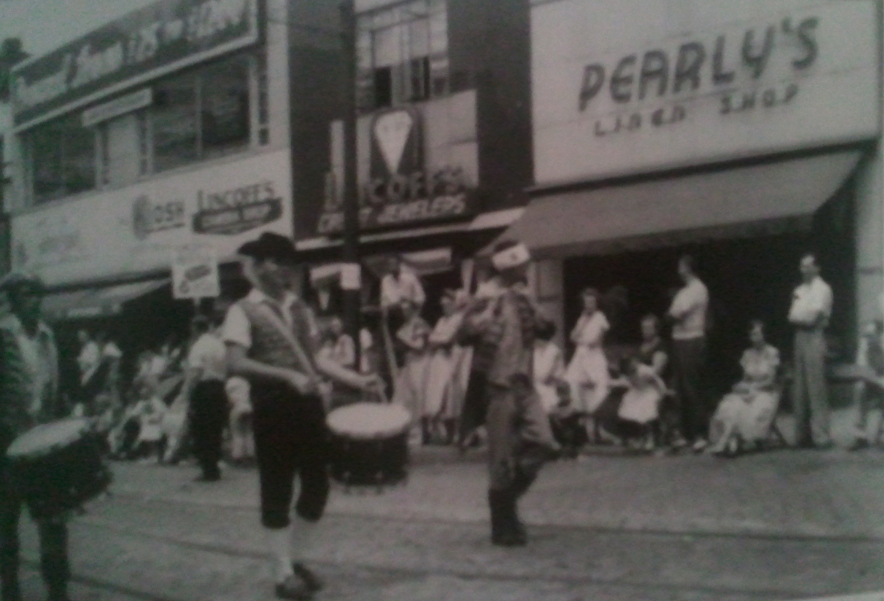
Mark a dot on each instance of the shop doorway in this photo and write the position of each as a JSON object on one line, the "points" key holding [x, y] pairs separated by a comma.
{"points": [[748, 278]]}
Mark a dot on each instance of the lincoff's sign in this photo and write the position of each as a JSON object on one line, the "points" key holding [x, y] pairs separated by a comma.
{"points": [[401, 189], [698, 67], [684, 82], [141, 45]]}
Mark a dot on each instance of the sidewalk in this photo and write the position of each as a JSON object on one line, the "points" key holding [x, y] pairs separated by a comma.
{"points": [[784, 492]]}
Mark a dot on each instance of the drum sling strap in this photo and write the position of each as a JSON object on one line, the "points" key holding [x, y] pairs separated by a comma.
{"points": [[300, 354]]}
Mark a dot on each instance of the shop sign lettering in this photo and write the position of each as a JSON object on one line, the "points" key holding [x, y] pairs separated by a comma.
{"points": [[237, 210], [732, 67], [149, 217], [400, 199], [148, 40]]}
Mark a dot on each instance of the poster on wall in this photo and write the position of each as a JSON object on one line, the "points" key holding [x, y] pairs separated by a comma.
{"points": [[135, 229], [195, 272]]}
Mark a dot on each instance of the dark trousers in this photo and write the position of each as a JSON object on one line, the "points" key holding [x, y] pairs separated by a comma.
{"points": [[53, 534], [475, 404], [290, 440], [209, 414], [689, 367]]}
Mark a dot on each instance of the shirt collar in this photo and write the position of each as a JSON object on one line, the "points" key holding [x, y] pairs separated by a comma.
{"points": [[257, 296]]}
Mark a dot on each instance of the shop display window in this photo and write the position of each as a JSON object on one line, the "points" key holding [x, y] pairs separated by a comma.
{"points": [[402, 54]]}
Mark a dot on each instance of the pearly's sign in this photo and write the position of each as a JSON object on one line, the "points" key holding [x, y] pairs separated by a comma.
{"points": [[157, 39], [730, 83]]}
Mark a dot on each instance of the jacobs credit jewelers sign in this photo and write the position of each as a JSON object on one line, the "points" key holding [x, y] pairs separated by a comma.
{"points": [[401, 188], [142, 45], [135, 229], [619, 95]]}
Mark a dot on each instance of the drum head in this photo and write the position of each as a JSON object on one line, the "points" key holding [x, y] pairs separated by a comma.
{"points": [[365, 421], [47, 437]]}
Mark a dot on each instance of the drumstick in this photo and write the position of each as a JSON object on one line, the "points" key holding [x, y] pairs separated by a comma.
{"points": [[388, 347]]}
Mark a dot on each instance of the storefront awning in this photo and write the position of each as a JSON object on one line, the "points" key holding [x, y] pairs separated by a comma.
{"points": [[95, 302], [739, 202]]}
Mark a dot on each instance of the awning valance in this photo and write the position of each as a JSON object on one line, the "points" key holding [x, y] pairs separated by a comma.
{"points": [[96, 302], [738, 202]]}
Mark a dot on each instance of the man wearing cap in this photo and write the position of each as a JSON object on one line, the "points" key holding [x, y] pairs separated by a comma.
{"points": [[28, 397], [519, 435], [271, 341]]}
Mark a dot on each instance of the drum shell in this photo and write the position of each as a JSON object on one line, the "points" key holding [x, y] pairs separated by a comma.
{"points": [[366, 462], [61, 479]]}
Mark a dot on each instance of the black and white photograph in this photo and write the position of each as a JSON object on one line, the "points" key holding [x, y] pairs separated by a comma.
{"points": [[442, 300]]}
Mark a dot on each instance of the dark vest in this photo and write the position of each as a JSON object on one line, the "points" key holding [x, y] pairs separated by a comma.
{"points": [[269, 345]]}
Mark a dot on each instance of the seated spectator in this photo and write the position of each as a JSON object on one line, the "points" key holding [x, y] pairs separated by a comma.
{"points": [[869, 392], [745, 415], [566, 423], [549, 366]]}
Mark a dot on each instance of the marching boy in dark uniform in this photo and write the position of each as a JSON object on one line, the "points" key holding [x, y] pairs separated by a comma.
{"points": [[271, 338], [28, 397], [519, 435]]}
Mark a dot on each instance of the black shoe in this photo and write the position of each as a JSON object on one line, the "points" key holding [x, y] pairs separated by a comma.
{"points": [[824, 446], [308, 577], [207, 478], [293, 588]]}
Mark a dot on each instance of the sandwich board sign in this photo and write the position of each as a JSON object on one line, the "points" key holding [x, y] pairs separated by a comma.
{"points": [[195, 272]]}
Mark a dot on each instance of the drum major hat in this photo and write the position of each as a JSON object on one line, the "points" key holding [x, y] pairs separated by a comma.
{"points": [[18, 280], [270, 246], [510, 257]]}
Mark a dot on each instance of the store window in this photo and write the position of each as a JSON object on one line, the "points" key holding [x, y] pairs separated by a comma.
{"points": [[402, 54], [197, 115], [62, 158], [201, 114]]}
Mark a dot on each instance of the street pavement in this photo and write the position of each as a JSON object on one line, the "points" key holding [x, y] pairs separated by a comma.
{"points": [[784, 524]]}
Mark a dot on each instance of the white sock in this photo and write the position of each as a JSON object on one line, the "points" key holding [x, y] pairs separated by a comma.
{"points": [[303, 537], [280, 545]]}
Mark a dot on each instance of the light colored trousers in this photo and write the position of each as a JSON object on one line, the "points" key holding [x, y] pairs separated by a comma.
{"points": [[809, 396]]}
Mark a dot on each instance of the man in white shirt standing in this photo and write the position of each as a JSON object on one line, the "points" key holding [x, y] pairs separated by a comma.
{"points": [[206, 375], [400, 285], [688, 316], [809, 314]]}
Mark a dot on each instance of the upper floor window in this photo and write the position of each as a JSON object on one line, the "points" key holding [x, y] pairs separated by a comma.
{"points": [[197, 115], [201, 114], [402, 54], [62, 157]]}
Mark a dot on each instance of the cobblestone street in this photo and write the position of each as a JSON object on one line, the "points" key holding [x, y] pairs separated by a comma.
{"points": [[781, 525]]}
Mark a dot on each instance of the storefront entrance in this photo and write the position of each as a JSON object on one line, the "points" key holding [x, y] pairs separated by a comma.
{"points": [[748, 278]]}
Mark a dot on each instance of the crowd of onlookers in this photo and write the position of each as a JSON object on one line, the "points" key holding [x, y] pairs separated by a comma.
{"points": [[652, 398]]}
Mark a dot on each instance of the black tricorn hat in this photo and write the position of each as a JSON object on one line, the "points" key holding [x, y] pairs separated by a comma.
{"points": [[270, 246]]}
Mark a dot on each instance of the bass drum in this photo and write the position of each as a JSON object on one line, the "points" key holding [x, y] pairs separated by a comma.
{"points": [[58, 466], [369, 444]]}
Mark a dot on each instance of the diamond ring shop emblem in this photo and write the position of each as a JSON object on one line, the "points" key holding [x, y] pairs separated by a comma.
{"points": [[391, 130]]}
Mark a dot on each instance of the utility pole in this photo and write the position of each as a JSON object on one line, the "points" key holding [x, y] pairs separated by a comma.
{"points": [[351, 283]]}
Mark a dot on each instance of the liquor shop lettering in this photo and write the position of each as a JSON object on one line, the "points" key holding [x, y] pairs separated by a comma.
{"points": [[659, 74]]}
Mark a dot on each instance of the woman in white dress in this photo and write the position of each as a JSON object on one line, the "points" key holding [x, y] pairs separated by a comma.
{"points": [[746, 413], [587, 373], [409, 390], [443, 393]]}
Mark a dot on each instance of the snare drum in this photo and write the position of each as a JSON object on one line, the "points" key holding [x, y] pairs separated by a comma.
{"points": [[58, 466], [369, 444]]}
